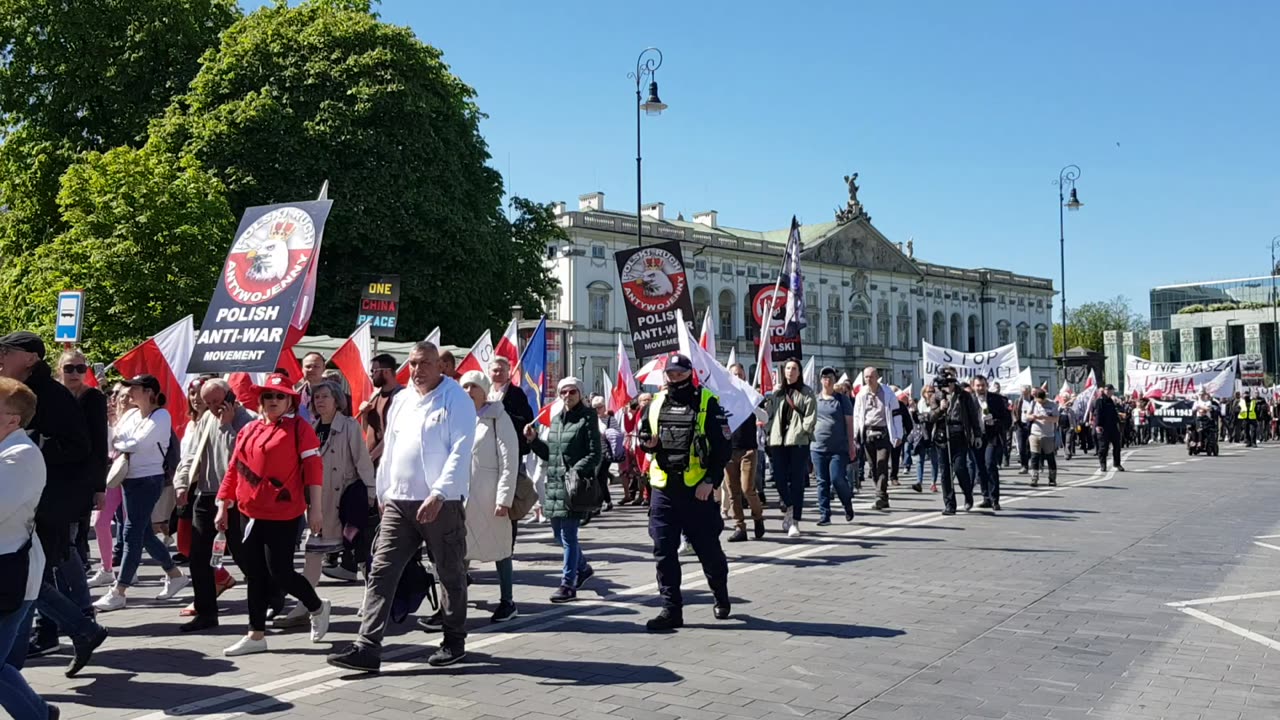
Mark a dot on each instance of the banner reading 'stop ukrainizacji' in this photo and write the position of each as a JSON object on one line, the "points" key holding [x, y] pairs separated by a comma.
{"points": [[654, 286], [258, 288], [782, 346], [999, 365]]}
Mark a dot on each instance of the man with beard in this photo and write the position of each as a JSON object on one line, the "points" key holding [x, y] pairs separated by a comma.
{"points": [[687, 433]]}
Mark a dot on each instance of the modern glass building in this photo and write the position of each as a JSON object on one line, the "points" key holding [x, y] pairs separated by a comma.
{"points": [[1167, 300]]}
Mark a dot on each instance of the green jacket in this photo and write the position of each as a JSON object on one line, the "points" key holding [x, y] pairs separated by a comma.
{"points": [[573, 442], [803, 421]]}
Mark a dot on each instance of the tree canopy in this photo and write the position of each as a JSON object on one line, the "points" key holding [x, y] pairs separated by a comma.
{"points": [[1087, 323], [184, 112]]}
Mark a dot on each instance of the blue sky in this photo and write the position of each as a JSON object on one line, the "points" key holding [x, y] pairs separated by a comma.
{"points": [[958, 117]]}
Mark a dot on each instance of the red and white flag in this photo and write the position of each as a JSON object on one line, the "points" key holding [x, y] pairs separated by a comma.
{"points": [[509, 347], [402, 374], [764, 374], [737, 399], [707, 338], [353, 359], [733, 357], [165, 355], [624, 386], [91, 378], [550, 410], [479, 356], [653, 372]]}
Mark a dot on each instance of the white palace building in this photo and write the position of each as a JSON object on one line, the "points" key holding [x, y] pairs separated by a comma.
{"points": [[870, 301]]}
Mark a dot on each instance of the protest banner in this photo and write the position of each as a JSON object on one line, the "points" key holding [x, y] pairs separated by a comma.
{"points": [[380, 305], [999, 365], [654, 287], [781, 345], [1172, 414], [258, 289], [1170, 379]]}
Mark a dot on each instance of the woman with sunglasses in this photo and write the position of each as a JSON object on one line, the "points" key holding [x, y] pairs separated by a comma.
{"points": [[74, 367], [143, 434], [274, 474], [346, 465], [573, 445]]}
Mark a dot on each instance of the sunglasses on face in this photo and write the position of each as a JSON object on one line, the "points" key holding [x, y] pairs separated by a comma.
{"points": [[79, 369], [274, 396]]}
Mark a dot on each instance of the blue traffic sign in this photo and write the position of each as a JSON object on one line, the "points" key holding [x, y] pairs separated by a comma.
{"points": [[70, 316]]}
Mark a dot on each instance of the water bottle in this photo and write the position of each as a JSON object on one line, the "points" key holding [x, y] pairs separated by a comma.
{"points": [[219, 549]]}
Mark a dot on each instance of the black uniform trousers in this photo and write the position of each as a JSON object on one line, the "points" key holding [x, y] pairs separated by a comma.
{"points": [[1109, 440], [673, 511], [953, 455]]}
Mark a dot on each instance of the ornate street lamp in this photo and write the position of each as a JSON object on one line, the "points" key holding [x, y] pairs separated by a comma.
{"points": [[647, 64]]}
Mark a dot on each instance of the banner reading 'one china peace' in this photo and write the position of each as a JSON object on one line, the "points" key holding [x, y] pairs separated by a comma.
{"points": [[259, 287]]}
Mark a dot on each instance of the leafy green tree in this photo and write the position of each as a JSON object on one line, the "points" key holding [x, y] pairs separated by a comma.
{"points": [[96, 72], [147, 235], [1087, 323], [372, 109], [526, 281]]}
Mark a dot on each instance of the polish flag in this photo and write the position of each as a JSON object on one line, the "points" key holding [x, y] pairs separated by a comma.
{"points": [[1092, 381], [165, 355], [733, 357], [353, 359], [550, 410], [479, 357], [509, 347], [764, 374], [91, 378], [707, 338], [624, 387], [402, 374]]}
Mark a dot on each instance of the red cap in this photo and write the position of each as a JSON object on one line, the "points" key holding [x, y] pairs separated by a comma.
{"points": [[279, 383]]}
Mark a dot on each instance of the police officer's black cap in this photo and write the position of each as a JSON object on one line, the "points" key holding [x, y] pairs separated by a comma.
{"points": [[24, 340], [677, 361]]}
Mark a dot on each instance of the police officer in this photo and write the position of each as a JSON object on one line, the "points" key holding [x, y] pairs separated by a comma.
{"points": [[686, 434], [1248, 419]]}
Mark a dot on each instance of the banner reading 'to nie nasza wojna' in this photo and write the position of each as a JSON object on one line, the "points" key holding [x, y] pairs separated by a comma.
{"points": [[654, 285], [254, 298]]}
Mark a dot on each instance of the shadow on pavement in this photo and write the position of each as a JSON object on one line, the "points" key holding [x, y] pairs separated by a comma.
{"points": [[583, 673], [126, 691]]}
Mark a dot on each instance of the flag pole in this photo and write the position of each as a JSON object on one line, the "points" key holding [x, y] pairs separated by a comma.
{"points": [[766, 324]]}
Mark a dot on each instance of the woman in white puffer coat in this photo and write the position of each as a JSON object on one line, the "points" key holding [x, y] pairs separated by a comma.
{"points": [[495, 459]]}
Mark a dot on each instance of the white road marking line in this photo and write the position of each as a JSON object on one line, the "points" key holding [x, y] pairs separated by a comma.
{"points": [[1224, 599], [553, 618], [1232, 628], [1267, 537], [1268, 546]]}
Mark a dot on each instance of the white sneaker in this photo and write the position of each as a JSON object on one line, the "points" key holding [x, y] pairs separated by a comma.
{"points": [[173, 586], [102, 578], [111, 601], [793, 530], [320, 621], [685, 547], [246, 646]]}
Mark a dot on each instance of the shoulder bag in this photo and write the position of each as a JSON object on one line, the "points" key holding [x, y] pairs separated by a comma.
{"points": [[526, 494], [119, 471]]}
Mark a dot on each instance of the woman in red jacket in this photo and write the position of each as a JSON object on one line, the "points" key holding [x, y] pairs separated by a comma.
{"points": [[276, 461]]}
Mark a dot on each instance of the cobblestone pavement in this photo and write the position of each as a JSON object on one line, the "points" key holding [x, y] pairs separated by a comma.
{"points": [[1059, 607]]}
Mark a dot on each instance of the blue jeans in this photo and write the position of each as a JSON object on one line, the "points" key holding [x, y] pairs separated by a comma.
{"points": [[931, 454], [140, 498], [16, 696], [832, 469], [790, 469], [565, 532]]}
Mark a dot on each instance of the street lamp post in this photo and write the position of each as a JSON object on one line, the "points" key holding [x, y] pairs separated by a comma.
{"points": [[647, 64], [1067, 176], [1275, 327]]}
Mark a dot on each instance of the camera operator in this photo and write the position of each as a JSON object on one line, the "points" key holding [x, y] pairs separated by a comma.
{"points": [[957, 430]]}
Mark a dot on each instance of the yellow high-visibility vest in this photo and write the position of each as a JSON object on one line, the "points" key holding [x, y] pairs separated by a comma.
{"points": [[695, 472], [1250, 411]]}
